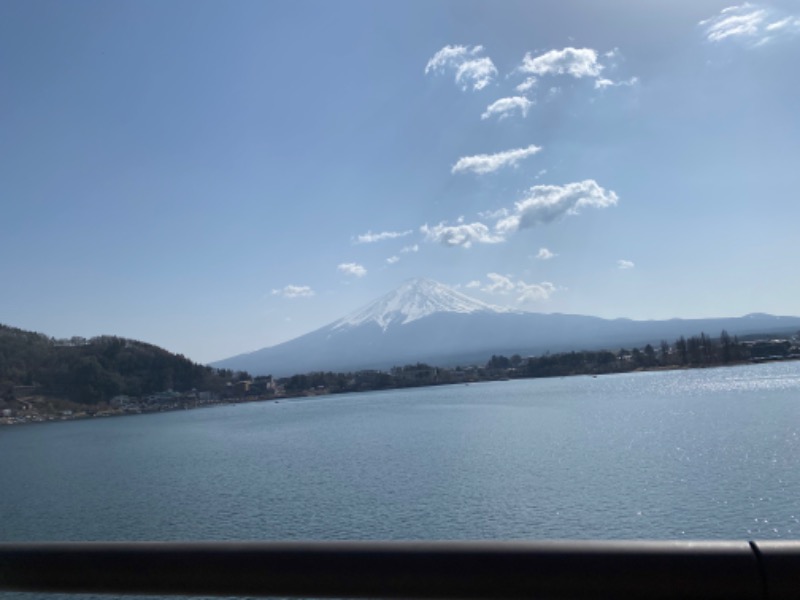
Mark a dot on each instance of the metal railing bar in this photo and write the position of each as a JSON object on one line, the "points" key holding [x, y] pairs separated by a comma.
{"points": [[553, 570]]}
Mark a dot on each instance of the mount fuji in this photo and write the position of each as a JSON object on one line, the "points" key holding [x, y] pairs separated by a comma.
{"points": [[414, 300], [426, 321]]}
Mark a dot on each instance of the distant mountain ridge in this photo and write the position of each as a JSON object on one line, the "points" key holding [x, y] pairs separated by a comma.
{"points": [[423, 320]]}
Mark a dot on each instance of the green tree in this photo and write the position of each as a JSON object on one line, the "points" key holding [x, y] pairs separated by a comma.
{"points": [[726, 347], [682, 350], [649, 356]]}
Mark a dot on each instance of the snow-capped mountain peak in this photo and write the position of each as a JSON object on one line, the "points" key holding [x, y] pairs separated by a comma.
{"points": [[413, 300]]}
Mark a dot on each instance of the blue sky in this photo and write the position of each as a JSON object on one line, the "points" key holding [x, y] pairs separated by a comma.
{"points": [[217, 177]]}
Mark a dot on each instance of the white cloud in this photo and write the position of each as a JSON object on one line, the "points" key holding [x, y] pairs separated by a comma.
{"points": [[527, 85], [779, 24], [369, 237], [753, 24], [545, 203], [494, 214], [734, 21], [450, 56], [479, 72], [524, 292], [473, 284], [294, 291], [393, 259], [354, 269], [470, 67], [412, 248], [534, 292], [545, 254], [625, 264], [573, 62], [462, 234], [500, 284], [506, 106], [601, 83], [487, 163], [577, 62]]}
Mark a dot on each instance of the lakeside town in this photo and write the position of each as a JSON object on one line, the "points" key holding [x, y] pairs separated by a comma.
{"points": [[35, 403]]}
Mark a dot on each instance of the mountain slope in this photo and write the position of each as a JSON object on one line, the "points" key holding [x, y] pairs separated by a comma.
{"points": [[423, 320], [94, 370]]}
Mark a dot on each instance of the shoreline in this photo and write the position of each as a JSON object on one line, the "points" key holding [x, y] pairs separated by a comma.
{"points": [[105, 413]]}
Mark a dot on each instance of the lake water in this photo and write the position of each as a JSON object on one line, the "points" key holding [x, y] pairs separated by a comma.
{"points": [[682, 454]]}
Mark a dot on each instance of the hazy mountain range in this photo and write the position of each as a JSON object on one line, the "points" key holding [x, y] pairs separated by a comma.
{"points": [[426, 321]]}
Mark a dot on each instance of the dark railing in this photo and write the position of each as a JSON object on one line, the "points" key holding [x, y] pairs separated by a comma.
{"points": [[549, 570]]}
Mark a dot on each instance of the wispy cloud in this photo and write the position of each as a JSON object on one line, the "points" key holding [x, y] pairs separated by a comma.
{"points": [[498, 284], [393, 259], [527, 85], [572, 62], [494, 214], [782, 24], [412, 248], [450, 57], [461, 234], [478, 72], [488, 163], [534, 292], [352, 269], [625, 264], [542, 204], [505, 107], [735, 21], [369, 237], [294, 291], [545, 203], [752, 24], [523, 292], [602, 83], [577, 62], [470, 67]]}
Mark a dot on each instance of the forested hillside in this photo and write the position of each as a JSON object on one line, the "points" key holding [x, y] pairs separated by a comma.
{"points": [[89, 371]]}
